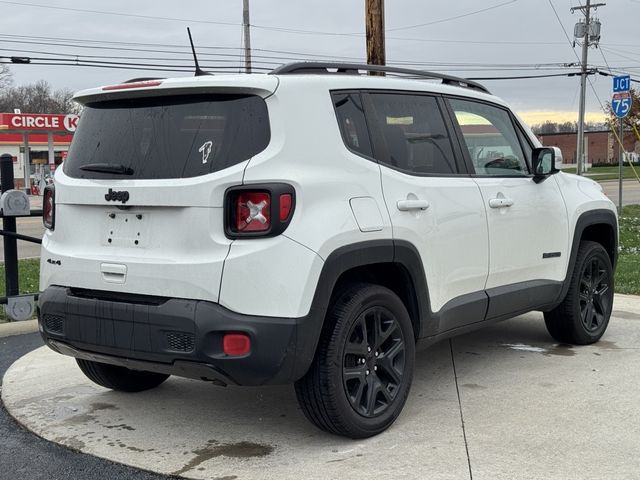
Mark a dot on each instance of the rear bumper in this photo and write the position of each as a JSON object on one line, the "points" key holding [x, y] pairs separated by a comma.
{"points": [[174, 336]]}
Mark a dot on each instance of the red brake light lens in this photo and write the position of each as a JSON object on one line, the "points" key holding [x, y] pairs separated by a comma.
{"points": [[236, 344], [253, 211], [125, 86], [48, 207]]}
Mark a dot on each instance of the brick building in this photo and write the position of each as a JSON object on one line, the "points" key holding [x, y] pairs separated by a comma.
{"points": [[601, 147]]}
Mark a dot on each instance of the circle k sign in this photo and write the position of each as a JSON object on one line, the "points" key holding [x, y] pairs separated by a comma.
{"points": [[38, 122], [70, 122]]}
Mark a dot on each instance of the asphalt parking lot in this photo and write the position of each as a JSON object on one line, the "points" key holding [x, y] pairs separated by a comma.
{"points": [[505, 402], [23, 455]]}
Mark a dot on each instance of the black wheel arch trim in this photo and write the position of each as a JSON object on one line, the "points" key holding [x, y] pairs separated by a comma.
{"points": [[348, 257], [588, 219]]}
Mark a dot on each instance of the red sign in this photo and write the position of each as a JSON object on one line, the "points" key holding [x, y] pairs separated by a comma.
{"points": [[38, 122]]}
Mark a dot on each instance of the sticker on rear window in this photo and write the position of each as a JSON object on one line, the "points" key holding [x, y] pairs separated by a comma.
{"points": [[205, 149]]}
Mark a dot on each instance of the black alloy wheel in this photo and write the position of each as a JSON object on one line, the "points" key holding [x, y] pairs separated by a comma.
{"points": [[373, 361], [594, 297], [361, 374], [583, 315]]}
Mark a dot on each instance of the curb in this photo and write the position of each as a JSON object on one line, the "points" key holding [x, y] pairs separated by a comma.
{"points": [[629, 303], [10, 329]]}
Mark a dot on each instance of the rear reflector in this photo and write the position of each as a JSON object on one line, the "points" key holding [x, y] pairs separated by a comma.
{"points": [[124, 86], [253, 211], [285, 206], [236, 344], [49, 207]]}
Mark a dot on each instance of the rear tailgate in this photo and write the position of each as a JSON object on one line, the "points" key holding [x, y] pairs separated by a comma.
{"points": [[139, 201]]}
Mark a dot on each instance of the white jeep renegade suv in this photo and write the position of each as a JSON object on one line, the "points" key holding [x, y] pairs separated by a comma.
{"points": [[313, 225]]}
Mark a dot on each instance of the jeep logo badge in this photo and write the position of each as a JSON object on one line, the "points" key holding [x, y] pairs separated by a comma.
{"points": [[117, 196]]}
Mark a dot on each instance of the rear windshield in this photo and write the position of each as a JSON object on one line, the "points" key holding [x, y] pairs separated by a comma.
{"points": [[167, 137]]}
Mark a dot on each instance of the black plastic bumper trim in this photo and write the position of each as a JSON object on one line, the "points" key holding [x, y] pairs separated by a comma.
{"points": [[140, 334]]}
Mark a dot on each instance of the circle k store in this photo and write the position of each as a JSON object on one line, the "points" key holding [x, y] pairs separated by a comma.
{"points": [[38, 143]]}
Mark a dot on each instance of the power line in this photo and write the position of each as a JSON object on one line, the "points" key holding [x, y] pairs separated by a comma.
{"points": [[295, 55], [213, 68], [563, 29], [119, 14], [523, 77], [121, 67], [204, 47], [614, 52], [456, 17]]}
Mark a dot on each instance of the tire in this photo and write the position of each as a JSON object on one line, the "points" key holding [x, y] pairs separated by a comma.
{"points": [[350, 390], [120, 378], [583, 315]]}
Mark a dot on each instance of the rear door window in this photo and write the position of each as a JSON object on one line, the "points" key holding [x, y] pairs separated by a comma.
{"points": [[167, 137], [414, 134]]}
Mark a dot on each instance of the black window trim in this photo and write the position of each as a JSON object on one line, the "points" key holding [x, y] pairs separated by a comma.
{"points": [[376, 137], [465, 152]]}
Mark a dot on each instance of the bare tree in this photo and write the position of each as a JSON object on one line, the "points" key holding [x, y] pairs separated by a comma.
{"points": [[37, 98], [6, 77]]}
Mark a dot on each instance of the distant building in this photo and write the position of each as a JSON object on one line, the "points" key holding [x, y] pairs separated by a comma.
{"points": [[601, 147]]}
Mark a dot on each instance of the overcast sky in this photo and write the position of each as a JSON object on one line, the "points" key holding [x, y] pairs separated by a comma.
{"points": [[517, 34]]}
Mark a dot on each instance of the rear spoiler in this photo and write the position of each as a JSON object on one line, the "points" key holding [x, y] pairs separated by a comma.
{"points": [[261, 85]]}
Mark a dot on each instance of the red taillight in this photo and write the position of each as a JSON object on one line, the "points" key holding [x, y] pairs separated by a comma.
{"points": [[258, 211], [253, 211], [49, 207], [286, 201], [236, 344]]}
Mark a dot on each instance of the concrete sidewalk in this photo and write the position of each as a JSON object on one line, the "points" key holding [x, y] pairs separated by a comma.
{"points": [[505, 402]]}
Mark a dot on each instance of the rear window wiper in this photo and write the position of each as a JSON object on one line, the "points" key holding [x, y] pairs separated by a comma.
{"points": [[107, 168]]}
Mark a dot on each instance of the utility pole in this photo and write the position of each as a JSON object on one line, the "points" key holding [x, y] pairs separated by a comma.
{"points": [[591, 37], [374, 21], [247, 36]]}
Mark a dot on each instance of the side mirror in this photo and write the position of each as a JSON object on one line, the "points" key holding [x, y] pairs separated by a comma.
{"points": [[544, 163], [559, 159]]}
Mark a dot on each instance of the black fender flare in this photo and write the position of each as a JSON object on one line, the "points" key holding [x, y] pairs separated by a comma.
{"points": [[342, 260], [587, 219]]}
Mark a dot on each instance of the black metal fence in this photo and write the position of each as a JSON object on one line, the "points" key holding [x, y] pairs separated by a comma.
{"points": [[12, 206]]}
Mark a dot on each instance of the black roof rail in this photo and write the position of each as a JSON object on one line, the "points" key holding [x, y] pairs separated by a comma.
{"points": [[355, 68]]}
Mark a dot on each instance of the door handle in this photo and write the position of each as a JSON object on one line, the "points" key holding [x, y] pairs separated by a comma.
{"points": [[406, 205], [500, 202]]}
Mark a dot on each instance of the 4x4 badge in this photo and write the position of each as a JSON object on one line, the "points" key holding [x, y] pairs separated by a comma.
{"points": [[122, 196]]}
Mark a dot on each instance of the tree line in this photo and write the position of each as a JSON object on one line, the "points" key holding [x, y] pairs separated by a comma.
{"points": [[38, 97], [633, 119], [549, 127]]}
